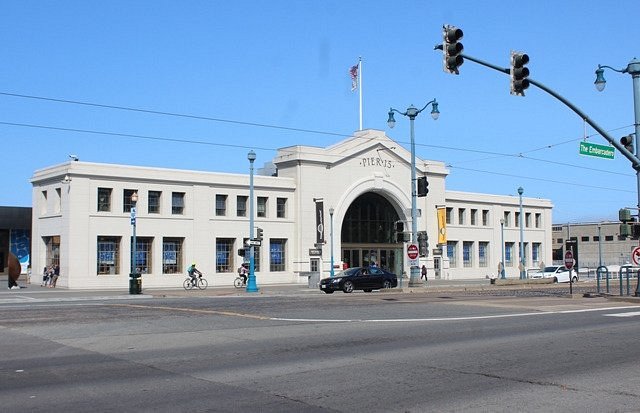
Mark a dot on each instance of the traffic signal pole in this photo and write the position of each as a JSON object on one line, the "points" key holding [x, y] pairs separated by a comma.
{"points": [[634, 70]]}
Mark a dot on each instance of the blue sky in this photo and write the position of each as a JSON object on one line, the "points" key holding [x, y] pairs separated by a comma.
{"points": [[285, 64]]}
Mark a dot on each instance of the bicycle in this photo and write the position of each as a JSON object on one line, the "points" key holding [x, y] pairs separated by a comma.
{"points": [[202, 283], [239, 282]]}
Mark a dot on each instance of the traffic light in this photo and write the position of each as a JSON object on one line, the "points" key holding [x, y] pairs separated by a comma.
{"points": [[399, 227], [423, 186], [519, 73], [627, 142], [259, 233], [624, 215], [423, 243], [452, 48]]}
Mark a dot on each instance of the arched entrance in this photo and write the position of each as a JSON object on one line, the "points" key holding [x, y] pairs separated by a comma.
{"points": [[368, 234]]}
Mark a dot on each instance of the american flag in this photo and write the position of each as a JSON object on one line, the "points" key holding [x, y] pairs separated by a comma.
{"points": [[353, 72]]}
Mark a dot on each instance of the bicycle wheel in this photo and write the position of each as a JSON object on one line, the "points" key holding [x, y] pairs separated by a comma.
{"points": [[202, 283], [187, 284], [237, 282]]}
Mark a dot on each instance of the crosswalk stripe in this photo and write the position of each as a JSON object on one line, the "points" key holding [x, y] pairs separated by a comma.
{"points": [[629, 314]]}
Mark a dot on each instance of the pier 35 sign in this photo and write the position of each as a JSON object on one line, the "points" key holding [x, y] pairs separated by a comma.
{"points": [[373, 161]]}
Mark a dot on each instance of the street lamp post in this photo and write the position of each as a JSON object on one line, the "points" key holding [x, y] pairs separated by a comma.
{"points": [[502, 272], [633, 68], [134, 276], [252, 287], [411, 113], [331, 211], [522, 271]]}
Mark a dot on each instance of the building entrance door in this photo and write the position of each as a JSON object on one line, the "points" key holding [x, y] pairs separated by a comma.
{"points": [[386, 257], [437, 267]]}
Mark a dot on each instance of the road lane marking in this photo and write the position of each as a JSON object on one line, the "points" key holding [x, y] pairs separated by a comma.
{"points": [[629, 314], [362, 320], [193, 310]]}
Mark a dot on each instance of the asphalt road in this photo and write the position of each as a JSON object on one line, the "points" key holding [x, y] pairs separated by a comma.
{"points": [[307, 352]]}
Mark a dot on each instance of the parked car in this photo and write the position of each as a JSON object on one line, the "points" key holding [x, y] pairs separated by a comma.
{"points": [[359, 278], [558, 272]]}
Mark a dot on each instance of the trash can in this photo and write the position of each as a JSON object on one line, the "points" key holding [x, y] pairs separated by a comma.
{"points": [[135, 283]]}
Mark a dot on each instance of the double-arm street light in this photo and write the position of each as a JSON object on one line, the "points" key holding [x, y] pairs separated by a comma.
{"points": [[633, 68], [411, 113]]}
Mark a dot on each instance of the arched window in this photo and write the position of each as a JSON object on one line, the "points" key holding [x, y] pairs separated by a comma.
{"points": [[370, 219]]}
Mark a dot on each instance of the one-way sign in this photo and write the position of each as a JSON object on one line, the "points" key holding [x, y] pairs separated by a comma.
{"points": [[254, 242]]}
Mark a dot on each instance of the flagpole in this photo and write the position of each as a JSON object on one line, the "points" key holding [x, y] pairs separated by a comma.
{"points": [[360, 87]]}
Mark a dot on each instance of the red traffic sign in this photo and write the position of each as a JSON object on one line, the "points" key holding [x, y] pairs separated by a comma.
{"points": [[635, 255], [412, 251], [568, 260]]}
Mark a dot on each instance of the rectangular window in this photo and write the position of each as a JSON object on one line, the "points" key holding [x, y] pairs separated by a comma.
{"points": [[560, 240], [108, 255], [43, 203], [104, 199], [153, 201], [527, 219], [538, 220], [314, 265], [474, 217], [535, 253], [449, 213], [584, 239], [262, 207], [608, 237], [177, 203], [241, 205], [461, 214], [483, 254], [52, 245], [485, 217], [256, 255], [517, 218], [507, 219], [221, 205], [277, 254], [596, 238], [467, 254], [451, 253], [508, 254], [172, 255], [58, 200], [127, 203], [224, 254], [281, 207], [143, 254]]}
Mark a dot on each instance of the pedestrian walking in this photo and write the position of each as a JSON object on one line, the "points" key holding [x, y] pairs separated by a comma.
{"points": [[424, 273]]}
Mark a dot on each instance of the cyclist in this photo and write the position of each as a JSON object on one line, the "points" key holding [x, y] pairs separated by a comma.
{"points": [[192, 271], [242, 272]]}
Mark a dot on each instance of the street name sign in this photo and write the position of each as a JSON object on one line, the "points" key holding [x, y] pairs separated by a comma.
{"points": [[599, 151]]}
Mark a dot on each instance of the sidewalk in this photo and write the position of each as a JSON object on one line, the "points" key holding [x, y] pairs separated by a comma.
{"points": [[35, 293]]}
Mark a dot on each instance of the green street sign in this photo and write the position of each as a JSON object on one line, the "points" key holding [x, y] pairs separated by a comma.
{"points": [[600, 151]]}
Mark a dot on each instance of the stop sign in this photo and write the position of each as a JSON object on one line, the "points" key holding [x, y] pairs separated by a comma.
{"points": [[568, 259], [412, 251]]}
